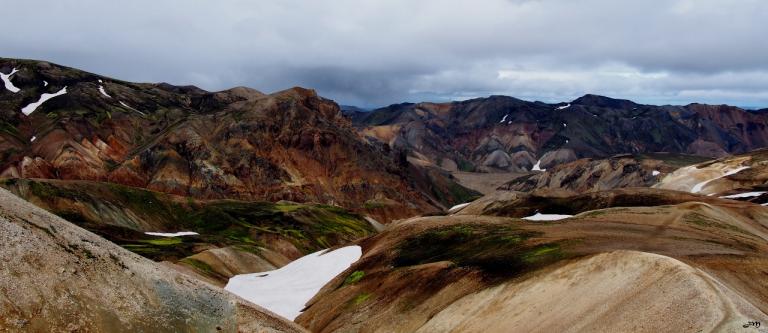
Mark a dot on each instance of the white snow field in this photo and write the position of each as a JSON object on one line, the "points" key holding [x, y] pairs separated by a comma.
{"points": [[546, 217], [172, 234], [537, 166], [285, 291], [7, 80], [27, 110], [563, 107]]}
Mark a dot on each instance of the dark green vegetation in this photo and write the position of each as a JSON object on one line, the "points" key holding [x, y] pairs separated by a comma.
{"points": [[122, 214], [501, 252]]}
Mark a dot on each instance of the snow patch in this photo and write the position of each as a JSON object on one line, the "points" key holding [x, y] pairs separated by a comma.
{"points": [[172, 234], [565, 125], [27, 110], [458, 207], [101, 90], [537, 166], [698, 187], [33, 139], [563, 107], [285, 291], [744, 195], [655, 172], [128, 107], [45, 83], [546, 217], [7, 80], [504, 119]]}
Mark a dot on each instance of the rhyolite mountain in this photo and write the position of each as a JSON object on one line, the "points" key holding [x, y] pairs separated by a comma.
{"points": [[589, 175], [505, 133], [234, 144]]}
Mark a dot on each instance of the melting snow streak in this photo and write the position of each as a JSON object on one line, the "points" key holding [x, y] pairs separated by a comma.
{"points": [[744, 195], [546, 217], [172, 234], [101, 90], [7, 80], [698, 187], [27, 110]]}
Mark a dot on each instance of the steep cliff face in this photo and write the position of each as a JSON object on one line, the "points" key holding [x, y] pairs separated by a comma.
{"points": [[508, 134], [239, 143]]}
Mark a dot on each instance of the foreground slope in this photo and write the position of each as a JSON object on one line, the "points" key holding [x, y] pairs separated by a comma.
{"points": [[234, 144], [629, 260], [57, 277]]}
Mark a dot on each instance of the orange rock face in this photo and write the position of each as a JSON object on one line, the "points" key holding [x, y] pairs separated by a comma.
{"points": [[239, 144]]}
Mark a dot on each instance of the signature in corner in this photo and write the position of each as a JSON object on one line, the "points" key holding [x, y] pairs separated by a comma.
{"points": [[755, 324]]}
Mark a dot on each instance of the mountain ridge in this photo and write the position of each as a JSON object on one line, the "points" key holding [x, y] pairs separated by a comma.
{"points": [[501, 133], [237, 143]]}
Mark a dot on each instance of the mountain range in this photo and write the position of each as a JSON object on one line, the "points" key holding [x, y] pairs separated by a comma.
{"points": [[235, 144], [127, 207], [509, 134]]}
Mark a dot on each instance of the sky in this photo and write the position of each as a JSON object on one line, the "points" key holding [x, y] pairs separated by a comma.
{"points": [[378, 52]]}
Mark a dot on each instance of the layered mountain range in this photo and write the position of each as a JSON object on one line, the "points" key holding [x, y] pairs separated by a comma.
{"points": [[597, 215], [67, 124], [505, 133]]}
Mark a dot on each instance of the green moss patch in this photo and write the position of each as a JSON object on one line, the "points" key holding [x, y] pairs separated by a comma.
{"points": [[360, 299], [499, 251], [353, 278]]}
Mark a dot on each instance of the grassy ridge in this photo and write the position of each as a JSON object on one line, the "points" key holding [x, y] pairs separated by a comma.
{"points": [[121, 214]]}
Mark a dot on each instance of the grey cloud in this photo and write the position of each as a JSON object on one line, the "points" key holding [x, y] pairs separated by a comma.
{"points": [[386, 51]]}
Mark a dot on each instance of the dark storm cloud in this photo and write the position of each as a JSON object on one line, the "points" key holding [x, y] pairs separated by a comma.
{"points": [[380, 52]]}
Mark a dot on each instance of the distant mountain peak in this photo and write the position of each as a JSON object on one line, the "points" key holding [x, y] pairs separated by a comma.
{"points": [[603, 101]]}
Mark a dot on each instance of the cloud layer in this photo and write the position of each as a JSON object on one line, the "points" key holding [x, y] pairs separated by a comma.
{"points": [[376, 52]]}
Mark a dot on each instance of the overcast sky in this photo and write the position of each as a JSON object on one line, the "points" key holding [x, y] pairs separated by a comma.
{"points": [[379, 52]]}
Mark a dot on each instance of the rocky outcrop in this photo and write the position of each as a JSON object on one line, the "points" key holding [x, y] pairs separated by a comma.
{"points": [[57, 277]]}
